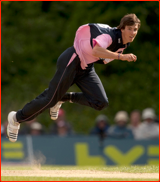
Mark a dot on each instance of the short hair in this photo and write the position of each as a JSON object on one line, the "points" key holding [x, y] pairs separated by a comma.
{"points": [[129, 20], [135, 111]]}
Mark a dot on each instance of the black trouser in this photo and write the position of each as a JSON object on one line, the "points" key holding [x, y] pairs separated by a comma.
{"points": [[93, 93]]}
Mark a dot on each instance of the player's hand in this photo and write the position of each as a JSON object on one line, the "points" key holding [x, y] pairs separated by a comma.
{"points": [[128, 57]]}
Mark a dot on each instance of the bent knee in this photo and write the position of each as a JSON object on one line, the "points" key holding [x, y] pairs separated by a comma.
{"points": [[101, 105]]}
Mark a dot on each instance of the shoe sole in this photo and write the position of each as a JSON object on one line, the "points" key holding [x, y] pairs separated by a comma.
{"points": [[10, 117], [53, 114]]}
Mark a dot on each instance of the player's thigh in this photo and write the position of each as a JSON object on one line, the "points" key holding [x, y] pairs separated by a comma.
{"points": [[91, 86]]}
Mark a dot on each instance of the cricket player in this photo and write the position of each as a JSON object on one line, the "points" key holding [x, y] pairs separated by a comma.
{"points": [[93, 43]]}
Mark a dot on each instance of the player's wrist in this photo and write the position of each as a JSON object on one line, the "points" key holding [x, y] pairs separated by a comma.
{"points": [[119, 56]]}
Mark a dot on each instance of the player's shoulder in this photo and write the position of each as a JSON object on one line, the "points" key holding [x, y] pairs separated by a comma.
{"points": [[104, 29], [101, 26]]}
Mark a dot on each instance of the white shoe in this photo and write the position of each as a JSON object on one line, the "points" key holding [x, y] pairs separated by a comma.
{"points": [[12, 127], [55, 110]]}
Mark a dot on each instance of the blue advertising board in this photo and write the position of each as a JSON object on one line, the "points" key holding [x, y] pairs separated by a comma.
{"points": [[79, 150]]}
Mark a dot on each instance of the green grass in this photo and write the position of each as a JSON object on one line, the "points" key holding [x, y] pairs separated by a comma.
{"points": [[14, 178], [128, 169]]}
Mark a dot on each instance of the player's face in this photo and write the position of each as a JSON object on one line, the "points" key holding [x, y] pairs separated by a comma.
{"points": [[129, 33]]}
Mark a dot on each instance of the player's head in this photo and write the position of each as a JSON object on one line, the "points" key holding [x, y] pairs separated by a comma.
{"points": [[129, 20], [129, 26]]}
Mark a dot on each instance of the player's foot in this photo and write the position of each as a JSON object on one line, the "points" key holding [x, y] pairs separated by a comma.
{"points": [[12, 127], [55, 110]]}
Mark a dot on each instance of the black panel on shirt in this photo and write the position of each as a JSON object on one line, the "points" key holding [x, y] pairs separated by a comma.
{"points": [[98, 29]]}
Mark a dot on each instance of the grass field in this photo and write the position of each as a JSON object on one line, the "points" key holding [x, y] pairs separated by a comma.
{"points": [[76, 173]]}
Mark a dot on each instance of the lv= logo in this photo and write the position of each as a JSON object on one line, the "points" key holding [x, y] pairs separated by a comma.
{"points": [[124, 158]]}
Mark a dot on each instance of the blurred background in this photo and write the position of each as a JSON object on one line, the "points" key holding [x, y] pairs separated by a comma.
{"points": [[34, 34]]}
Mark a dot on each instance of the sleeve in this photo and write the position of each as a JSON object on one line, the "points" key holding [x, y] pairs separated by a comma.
{"points": [[103, 40]]}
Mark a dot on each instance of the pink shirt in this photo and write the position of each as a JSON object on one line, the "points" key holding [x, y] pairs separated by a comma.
{"points": [[84, 49]]}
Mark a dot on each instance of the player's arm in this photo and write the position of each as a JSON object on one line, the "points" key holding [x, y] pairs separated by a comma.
{"points": [[100, 52]]}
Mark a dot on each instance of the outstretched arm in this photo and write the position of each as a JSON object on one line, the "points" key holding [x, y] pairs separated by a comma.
{"points": [[106, 54]]}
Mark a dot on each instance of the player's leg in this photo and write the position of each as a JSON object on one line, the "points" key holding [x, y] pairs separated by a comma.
{"points": [[58, 86], [93, 93]]}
